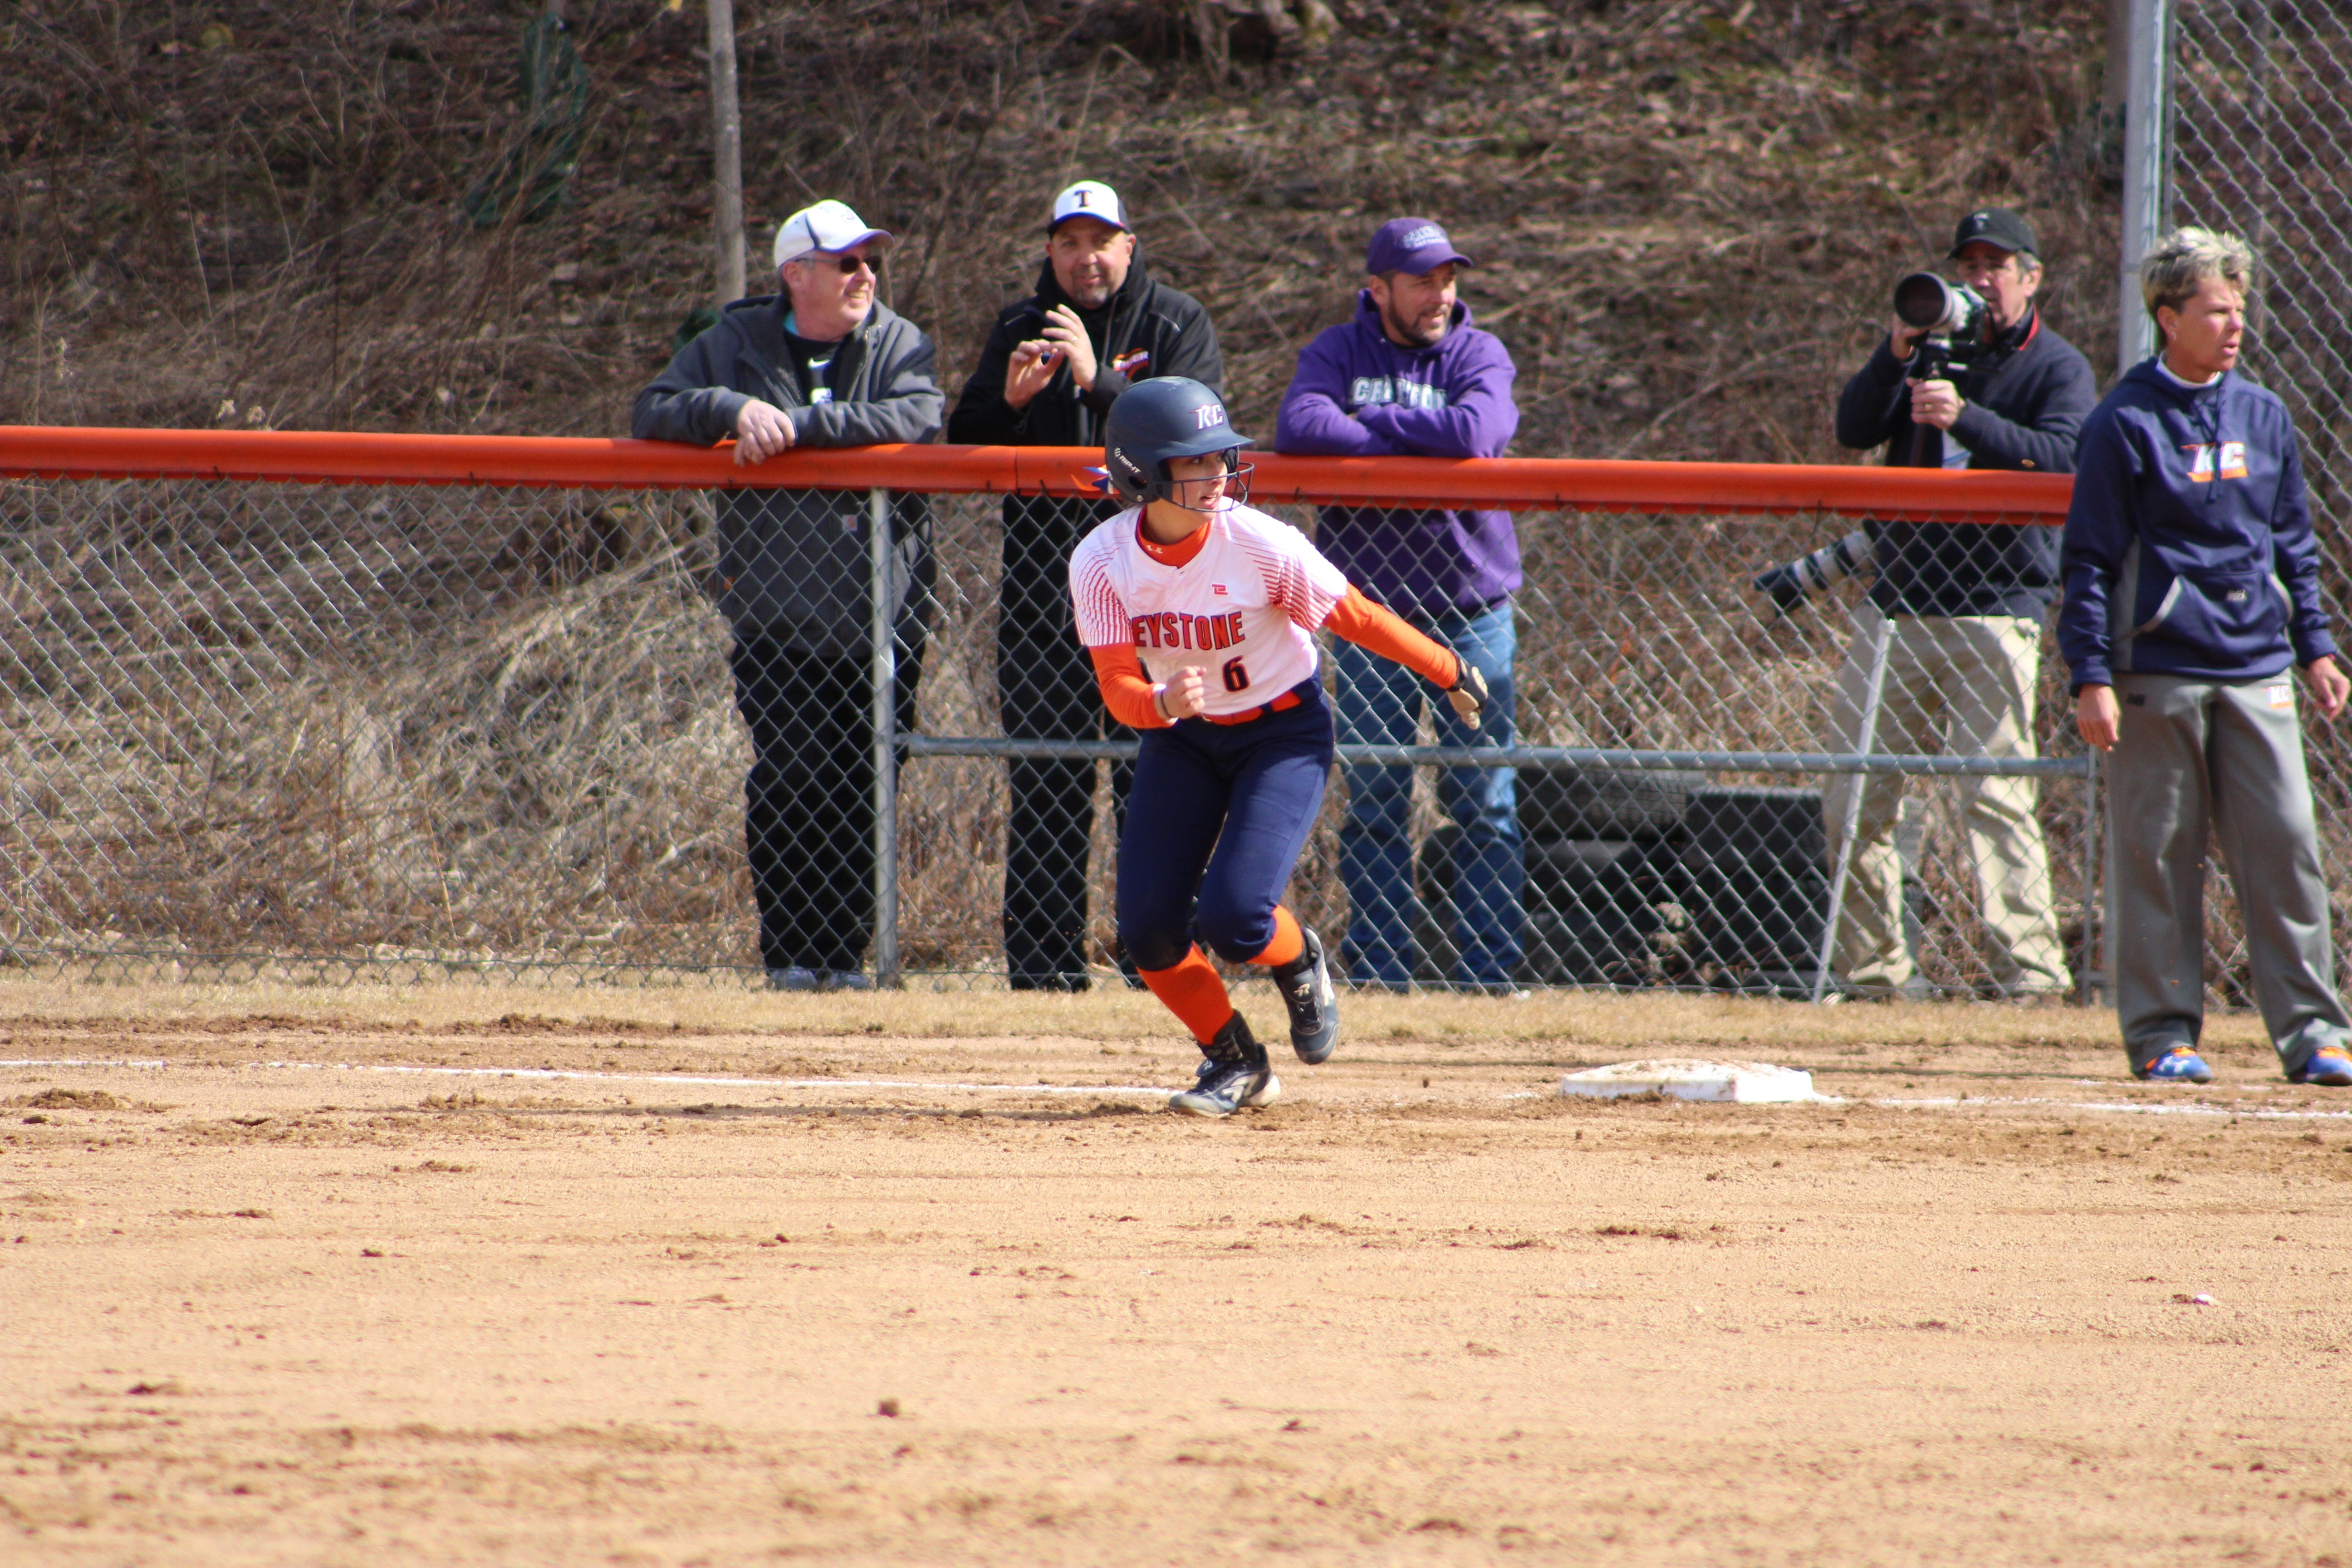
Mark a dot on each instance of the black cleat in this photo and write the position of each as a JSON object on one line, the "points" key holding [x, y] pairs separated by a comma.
{"points": [[1307, 990], [1233, 1077]]}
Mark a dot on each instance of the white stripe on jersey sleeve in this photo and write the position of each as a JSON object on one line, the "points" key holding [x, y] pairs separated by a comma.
{"points": [[1101, 615], [1298, 580]]}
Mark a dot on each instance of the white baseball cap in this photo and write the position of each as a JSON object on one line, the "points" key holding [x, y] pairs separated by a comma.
{"points": [[828, 226], [1088, 198]]}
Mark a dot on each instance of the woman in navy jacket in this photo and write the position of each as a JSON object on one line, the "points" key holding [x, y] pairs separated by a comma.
{"points": [[2192, 582]]}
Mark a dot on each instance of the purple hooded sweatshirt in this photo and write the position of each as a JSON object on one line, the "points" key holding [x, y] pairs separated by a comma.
{"points": [[1358, 395]]}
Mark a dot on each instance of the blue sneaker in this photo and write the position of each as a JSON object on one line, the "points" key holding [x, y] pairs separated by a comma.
{"points": [[1305, 987], [2179, 1065], [1234, 1077], [2329, 1066]]}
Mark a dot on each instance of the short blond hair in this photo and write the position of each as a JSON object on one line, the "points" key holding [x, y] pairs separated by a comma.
{"points": [[2178, 264]]}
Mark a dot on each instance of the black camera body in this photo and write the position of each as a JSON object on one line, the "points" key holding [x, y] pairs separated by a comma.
{"points": [[1952, 317]]}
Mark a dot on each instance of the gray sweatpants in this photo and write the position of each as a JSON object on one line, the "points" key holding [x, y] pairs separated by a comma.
{"points": [[2195, 756]]}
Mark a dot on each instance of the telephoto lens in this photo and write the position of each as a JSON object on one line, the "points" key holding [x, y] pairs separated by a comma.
{"points": [[1928, 303], [1789, 586]]}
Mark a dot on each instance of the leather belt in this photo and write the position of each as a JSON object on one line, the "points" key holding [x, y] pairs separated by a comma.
{"points": [[1282, 704]]}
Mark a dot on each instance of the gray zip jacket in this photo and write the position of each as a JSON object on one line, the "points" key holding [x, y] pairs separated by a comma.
{"points": [[793, 564]]}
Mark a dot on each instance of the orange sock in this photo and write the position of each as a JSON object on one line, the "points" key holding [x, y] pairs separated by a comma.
{"points": [[1194, 992], [1287, 942]]}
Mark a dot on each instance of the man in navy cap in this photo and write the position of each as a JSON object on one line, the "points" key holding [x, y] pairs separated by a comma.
{"points": [[1411, 374], [1054, 362], [1966, 604]]}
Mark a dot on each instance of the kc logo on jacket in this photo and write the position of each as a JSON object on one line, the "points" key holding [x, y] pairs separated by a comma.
{"points": [[2200, 462]]}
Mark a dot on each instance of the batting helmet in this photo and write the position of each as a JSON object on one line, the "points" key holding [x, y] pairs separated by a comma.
{"points": [[1154, 420]]}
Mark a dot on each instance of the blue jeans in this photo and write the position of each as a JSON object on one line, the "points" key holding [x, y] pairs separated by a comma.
{"points": [[1379, 703]]}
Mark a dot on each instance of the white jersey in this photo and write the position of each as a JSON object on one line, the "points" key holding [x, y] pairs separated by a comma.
{"points": [[1240, 610]]}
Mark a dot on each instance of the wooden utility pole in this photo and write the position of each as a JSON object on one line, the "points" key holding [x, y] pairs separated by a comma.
{"points": [[726, 155]]}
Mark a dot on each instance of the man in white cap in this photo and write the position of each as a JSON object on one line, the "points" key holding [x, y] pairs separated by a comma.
{"points": [[1047, 376], [821, 362]]}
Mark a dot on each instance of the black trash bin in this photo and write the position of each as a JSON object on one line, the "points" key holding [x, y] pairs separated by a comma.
{"points": [[1628, 803], [1602, 901], [1596, 911], [1754, 864]]}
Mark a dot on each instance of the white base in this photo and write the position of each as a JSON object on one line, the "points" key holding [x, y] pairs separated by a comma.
{"points": [[1731, 1083]]}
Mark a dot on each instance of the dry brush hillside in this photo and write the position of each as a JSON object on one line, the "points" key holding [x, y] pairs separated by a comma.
{"points": [[1687, 213]]}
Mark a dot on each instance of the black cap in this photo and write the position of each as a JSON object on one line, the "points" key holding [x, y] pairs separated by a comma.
{"points": [[1995, 225]]}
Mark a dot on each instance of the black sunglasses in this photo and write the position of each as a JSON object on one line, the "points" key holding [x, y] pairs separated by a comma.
{"points": [[848, 264]]}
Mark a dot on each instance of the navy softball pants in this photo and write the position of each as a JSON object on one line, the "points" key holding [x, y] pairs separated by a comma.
{"points": [[1218, 815]]}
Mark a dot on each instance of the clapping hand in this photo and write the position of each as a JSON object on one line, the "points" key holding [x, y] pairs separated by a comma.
{"points": [[1067, 333], [1032, 366]]}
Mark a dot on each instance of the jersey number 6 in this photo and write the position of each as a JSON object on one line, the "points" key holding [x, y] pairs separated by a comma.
{"points": [[1236, 679]]}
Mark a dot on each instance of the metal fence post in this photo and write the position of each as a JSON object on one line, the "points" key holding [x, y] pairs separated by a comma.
{"points": [[885, 742], [1882, 633], [2145, 122]]}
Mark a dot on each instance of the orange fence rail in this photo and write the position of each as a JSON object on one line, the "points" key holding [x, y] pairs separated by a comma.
{"points": [[1513, 483]]}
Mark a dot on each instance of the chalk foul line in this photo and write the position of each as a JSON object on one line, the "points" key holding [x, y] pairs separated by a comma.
{"points": [[586, 1077], [2122, 1108]]}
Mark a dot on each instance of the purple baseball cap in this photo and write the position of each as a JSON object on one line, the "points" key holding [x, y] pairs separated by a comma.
{"points": [[1414, 245]]}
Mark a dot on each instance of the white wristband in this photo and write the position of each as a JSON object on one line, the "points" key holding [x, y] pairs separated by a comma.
{"points": [[1159, 699]]}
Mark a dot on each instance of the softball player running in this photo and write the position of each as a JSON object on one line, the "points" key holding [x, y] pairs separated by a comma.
{"points": [[1217, 603]]}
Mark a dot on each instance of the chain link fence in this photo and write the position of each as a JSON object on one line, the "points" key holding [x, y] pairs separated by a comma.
{"points": [[2259, 121], [327, 729]]}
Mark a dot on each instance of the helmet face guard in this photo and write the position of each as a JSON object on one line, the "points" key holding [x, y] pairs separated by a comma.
{"points": [[1237, 485]]}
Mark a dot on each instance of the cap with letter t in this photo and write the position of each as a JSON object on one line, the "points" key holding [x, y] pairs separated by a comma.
{"points": [[1413, 245], [1088, 199], [1996, 226], [828, 227]]}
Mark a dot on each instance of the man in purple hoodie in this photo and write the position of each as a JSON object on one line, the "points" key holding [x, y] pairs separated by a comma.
{"points": [[1411, 374]]}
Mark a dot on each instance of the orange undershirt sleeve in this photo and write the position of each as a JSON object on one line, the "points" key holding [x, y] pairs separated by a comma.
{"points": [[1368, 626], [1119, 673]]}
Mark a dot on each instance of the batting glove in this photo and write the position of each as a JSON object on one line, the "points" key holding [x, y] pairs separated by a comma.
{"points": [[1468, 692]]}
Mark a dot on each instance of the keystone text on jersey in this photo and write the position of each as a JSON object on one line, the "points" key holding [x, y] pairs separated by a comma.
{"points": [[1172, 630]]}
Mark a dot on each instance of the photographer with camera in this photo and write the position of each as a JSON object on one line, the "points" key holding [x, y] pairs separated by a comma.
{"points": [[1967, 377]]}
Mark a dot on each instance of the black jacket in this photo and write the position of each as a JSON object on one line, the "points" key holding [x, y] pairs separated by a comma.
{"points": [[1168, 329], [793, 564], [2024, 408]]}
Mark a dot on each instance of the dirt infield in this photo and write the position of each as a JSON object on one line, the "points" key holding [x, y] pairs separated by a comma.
{"points": [[471, 1276]]}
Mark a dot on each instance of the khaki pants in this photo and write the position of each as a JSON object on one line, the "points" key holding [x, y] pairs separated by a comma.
{"points": [[1968, 680]]}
